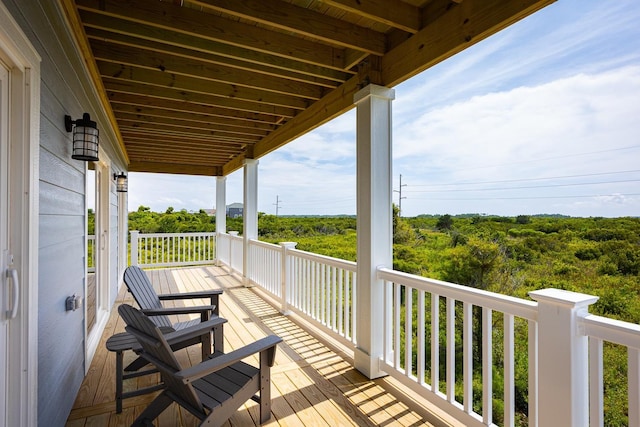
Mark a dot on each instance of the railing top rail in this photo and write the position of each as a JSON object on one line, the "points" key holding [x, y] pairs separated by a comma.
{"points": [[611, 330], [188, 234], [264, 244], [334, 262], [502, 303]]}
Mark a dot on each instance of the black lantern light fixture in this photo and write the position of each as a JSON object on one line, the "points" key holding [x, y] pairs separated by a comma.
{"points": [[85, 138], [121, 182]]}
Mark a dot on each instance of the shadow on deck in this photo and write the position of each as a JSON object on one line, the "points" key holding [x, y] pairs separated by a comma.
{"points": [[313, 381]]}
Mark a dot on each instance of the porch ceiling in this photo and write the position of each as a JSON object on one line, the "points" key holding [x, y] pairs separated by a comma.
{"points": [[197, 86]]}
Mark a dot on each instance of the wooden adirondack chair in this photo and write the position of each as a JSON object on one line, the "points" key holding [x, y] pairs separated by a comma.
{"points": [[212, 390], [140, 286]]}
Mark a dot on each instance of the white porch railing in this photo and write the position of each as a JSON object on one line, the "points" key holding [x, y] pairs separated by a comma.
{"points": [[432, 327], [172, 249], [426, 319], [600, 329], [91, 253]]}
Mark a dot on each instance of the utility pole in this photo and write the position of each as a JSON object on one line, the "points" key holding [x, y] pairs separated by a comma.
{"points": [[400, 196], [277, 204]]}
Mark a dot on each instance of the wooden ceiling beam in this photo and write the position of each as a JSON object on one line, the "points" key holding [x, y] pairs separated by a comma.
{"points": [[459, 27], [174, 168], [160, 47], [191, 21], [202, 155], [189, 124], [183, 158], [172, 64], [111, 26], [161, 139], [189, 116], [394, 13], [302, 21], [189, 107], [114, 85], [153, 77], [132, 125]]}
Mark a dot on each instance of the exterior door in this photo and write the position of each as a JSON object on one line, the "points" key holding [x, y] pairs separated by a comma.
{"points": [[97, 291], [7, 293]]}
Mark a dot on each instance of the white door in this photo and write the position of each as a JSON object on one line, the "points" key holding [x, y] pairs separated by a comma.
{"points": [[8, 289]]}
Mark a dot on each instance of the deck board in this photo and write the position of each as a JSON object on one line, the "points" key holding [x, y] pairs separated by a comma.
{"points": [[313, 382]]}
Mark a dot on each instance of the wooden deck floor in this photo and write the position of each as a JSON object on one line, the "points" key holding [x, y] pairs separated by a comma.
{"points": [[313, 383]]}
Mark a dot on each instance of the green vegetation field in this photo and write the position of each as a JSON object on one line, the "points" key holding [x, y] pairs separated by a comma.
{"points": [[509, 255]]}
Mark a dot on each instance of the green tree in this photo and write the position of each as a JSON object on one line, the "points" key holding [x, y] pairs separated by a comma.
{"points": [[445, 222]]}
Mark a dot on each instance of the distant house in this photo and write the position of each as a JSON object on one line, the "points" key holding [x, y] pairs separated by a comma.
{"points": [[210, 212], [235, 210]]}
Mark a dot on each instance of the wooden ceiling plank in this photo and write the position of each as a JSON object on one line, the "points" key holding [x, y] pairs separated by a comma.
{"points": [[113, 85], [202, 158], [224, 146], [195, 85], [145, 148], [181, 130], [151, 151], [189, 124], [194, 22], [171, 64], [173, 168], [149, 33], [461, 26], [138, 100], [394, 13], [135, 42], [302, 21], [163, 113]]}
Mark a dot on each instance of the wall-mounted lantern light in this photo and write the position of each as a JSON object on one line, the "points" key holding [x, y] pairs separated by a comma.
{"points": [[121, 182], [85, 138]]}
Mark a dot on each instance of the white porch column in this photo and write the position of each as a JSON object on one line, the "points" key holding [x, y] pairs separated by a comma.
{"points": [[563, 356], [221, 211], [374, 221], [250, 213]]}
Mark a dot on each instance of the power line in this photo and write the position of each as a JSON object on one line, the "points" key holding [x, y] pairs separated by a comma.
{"points": [[525, 187], [533, 197], [525, 179]]}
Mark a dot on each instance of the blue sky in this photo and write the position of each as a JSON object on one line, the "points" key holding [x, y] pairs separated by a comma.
{"points": [[543, 117]]}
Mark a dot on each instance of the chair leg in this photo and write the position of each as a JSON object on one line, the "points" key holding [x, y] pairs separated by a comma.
{"points": [[119, 380], [152, 411], [218, 339], [265, 389]]}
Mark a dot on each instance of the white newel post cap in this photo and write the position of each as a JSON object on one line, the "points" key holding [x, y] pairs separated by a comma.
{"points": [[563, 298], [288, 245]]}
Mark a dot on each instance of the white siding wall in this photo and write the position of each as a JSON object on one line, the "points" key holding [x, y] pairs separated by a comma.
{"points": [[64, 90]]}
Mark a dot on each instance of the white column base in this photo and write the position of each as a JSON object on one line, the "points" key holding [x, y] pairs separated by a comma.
{"points": [[367, 365]]}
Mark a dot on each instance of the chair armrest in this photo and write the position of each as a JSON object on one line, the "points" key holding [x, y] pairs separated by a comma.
{"points": [[219, 362], [194, 331], [179, 310], [212, 294], [191, 295]]}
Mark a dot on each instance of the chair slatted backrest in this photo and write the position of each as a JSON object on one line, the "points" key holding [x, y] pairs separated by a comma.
{"points": [[142, 290], [155, 345]]}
